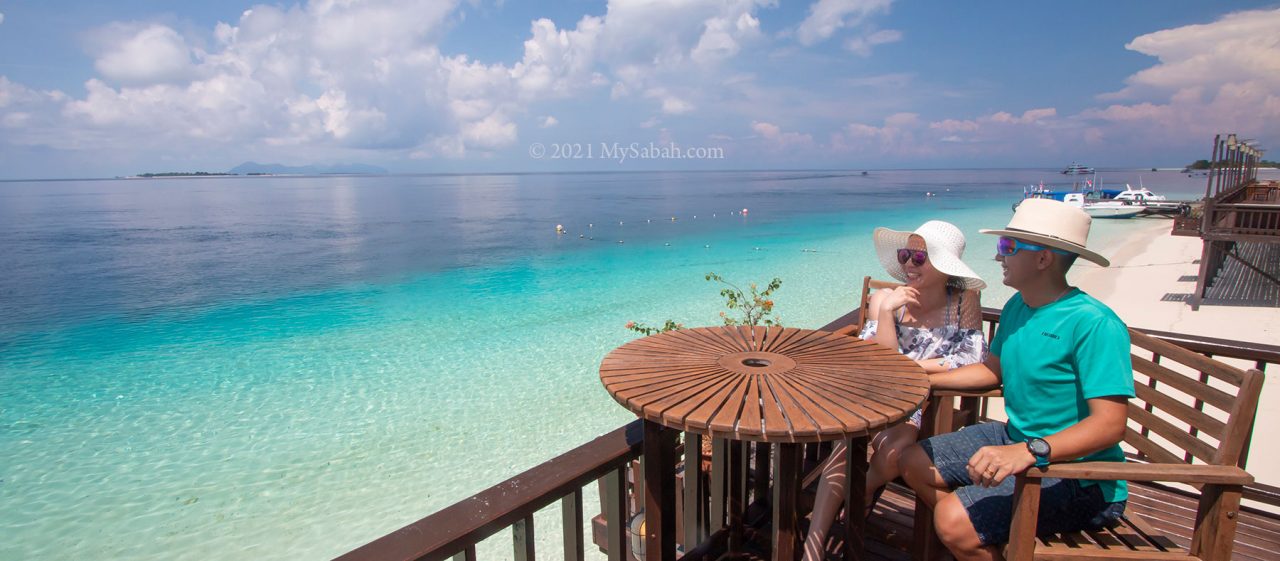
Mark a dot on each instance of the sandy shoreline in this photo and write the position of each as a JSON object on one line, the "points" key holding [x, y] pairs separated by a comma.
{"points": [[1149, 264]]}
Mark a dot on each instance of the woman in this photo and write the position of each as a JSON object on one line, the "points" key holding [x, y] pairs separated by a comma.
{"points": [[935, 318]]}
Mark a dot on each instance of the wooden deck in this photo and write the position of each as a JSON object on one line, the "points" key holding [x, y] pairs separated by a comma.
{"points": [[1257, 535]]}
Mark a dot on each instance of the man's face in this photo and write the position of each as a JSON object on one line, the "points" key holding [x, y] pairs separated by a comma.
{"points": [[1019, 267]]}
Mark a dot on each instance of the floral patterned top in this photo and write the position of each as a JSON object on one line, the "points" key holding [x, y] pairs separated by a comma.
{"points": [[951, 343], [956, 346]]}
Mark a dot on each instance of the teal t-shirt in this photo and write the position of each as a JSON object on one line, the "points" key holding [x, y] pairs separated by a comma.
{"points": [[1056, 357]]}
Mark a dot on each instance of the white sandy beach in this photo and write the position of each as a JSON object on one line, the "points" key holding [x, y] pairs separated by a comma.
{"points": [[1146, 266]]}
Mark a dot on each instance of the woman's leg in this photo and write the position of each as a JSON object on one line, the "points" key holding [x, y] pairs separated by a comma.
{"points": [[883, 465], [827, 502]]}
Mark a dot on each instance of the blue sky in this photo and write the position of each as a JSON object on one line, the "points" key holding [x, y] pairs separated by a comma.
{"points": [[93, 89]]}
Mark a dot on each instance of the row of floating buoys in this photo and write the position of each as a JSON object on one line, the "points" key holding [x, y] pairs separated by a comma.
{"points": [[560, 227]]}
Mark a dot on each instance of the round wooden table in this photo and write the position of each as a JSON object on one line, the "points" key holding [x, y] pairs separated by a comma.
{"points": [[777, 385]]}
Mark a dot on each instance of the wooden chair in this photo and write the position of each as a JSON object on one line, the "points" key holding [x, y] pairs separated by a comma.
{"points": [[864, 306], [1184, 428]]}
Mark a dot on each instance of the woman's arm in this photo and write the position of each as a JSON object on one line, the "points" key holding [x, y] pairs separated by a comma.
{"points": [[886, 324]]}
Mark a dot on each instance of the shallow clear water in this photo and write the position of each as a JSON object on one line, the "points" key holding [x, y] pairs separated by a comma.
{"points": [[284, 368]]}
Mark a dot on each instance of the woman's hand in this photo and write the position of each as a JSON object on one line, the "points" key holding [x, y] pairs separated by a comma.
{"points": [[899, 297], [991, 464]]}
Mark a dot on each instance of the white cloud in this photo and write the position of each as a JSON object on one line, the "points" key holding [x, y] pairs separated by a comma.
{"points": [[1, 17], [1221, 76], [150, 55], [548, 122], [828, 16], [776, 139], [1239, 47], [862, 45], [327, 76]]}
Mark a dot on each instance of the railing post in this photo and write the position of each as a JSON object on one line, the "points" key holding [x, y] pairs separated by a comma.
{"points": [[615, 514], [522, 535], [571, 520]]}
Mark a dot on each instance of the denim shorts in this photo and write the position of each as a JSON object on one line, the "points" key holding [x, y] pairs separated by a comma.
{"points": [[1065, 504]]}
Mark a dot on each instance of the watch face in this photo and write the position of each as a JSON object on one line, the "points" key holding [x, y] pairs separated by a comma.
{"points": [[1038, 447]]}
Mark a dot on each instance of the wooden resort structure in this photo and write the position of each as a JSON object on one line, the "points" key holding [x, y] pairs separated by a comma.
{"points": [[1191, 496], [1240, 226]]}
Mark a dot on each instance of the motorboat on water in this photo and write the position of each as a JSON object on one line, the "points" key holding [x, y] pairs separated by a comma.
{"points": [[1077, 169], [1151, 202], [1042, 192], [1140, 195], [1105, 208]]}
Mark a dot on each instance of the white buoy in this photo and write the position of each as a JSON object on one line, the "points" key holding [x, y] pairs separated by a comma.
{"points": [[591, 225], [744, 211], [559, 228], [673, 219]]}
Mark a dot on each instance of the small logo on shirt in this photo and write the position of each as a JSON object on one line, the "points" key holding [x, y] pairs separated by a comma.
{"points": [[1049, 335]]}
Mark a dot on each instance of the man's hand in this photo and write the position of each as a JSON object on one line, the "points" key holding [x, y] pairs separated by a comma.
{"points": [[991, 464]]}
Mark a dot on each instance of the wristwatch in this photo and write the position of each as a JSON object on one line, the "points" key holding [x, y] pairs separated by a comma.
{"points": [[1041, 450]]}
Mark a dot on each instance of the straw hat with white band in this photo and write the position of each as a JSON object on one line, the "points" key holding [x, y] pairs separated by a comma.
{"points": [[1053, 224], [945, 244]]}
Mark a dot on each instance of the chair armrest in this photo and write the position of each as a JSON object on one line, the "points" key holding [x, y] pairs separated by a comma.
{"points": [[1132, 471], [993, 392], [847, 330]]}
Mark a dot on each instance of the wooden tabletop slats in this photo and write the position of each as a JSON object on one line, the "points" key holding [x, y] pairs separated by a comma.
{"points": [[770, 384]]}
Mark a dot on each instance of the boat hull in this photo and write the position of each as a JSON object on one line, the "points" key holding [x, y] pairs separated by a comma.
{"points": [[1125, 211]]}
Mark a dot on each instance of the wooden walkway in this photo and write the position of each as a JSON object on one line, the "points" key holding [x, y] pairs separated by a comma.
{"points": [[1238, 285]]}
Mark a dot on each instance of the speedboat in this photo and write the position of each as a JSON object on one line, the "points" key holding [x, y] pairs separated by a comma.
{"points": [[1139, 195], [1104, 209], [1152, 203], [1077, 169]]}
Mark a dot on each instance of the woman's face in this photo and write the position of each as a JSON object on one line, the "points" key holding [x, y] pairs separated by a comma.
{"points": [[922, 276]]}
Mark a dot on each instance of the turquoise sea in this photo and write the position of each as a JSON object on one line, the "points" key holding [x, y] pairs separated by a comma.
{"points": [[289, 367]]}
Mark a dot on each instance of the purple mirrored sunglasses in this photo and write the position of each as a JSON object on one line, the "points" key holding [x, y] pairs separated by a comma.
{"points": [[916, 256]]}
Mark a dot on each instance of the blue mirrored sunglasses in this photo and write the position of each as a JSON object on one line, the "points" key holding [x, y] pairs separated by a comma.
{"points": [[1007, 246]]}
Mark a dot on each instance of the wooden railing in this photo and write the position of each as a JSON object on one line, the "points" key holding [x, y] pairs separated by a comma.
{"points": [[454, 531], [1242, 219]]}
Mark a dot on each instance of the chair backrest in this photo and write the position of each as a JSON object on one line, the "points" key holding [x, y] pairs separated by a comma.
{"points": [[864, 307], [1189, 408]]}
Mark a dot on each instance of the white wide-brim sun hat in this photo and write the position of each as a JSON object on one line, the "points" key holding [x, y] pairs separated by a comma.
{"points": [[1053, 224], [945, 244]]}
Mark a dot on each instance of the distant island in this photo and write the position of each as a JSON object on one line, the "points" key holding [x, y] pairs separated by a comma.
{"points": [[184, 174], [254, 168]]}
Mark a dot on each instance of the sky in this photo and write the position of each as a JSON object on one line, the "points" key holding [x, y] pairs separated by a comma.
{"points": [[103, 89]]}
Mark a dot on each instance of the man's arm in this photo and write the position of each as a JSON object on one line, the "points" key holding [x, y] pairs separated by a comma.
{"points": [[978, 376], [1102, 428]]}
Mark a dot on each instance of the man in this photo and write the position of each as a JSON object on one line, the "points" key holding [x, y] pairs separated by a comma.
{"points": [[1062, 358]]}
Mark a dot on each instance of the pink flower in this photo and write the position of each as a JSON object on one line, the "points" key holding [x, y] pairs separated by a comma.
{"points": [[631, 324]]}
